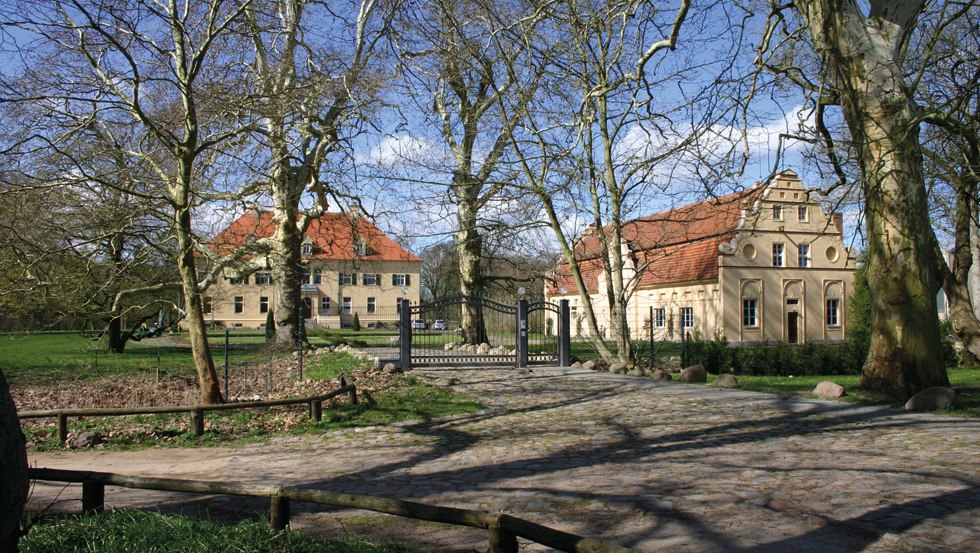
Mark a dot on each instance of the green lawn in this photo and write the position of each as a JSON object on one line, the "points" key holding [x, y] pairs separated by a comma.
{"points": [[966, 381], [129, 530], [52, 356]]}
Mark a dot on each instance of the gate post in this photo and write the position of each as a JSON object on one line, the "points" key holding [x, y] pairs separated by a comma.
{"points": [[405, 335], [564, 334], [522, 333]]}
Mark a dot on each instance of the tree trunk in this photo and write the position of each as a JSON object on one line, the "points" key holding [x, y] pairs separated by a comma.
{"points": [[864, 55], [13, 470], [956, 279], [207, 377], [469, 248], [116, 337], [288, 272]]}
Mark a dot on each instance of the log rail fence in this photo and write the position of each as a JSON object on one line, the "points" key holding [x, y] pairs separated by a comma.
{"points": [[502, 530], [196, 411]]}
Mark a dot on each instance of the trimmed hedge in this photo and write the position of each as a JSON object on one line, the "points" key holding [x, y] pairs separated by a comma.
{"points": [[780, 359]]}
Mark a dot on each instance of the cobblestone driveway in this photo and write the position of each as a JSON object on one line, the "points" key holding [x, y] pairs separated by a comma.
{"points": [[651, 465]]}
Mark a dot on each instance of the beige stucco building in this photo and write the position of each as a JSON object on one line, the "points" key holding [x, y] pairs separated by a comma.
{"points": [[768, 264], [351, 267]]}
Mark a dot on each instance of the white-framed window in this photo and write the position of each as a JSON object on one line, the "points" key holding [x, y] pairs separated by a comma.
{"points": [[348, 279], [777, 213], [307, 249], [346, 305], [239, 304], [401, 280], [750, 312], [371, 305], [687, 317], [804, 250], [263, 278], [324, 304], [370, 279], [238, 281], [804, 213], [263, 304], [659, 317], [317, 276], [833, 312], [206, 306], [777, 254]]}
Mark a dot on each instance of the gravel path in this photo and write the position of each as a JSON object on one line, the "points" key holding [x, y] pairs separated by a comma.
{"points": [[656, 466]]}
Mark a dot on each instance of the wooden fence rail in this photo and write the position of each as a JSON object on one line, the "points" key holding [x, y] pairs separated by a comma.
{"points": [[196, 411], [503, 530]]}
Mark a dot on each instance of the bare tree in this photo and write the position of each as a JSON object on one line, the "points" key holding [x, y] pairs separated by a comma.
{"points": [[454, 55], [312, 87], [166, 71], [863, 69]]}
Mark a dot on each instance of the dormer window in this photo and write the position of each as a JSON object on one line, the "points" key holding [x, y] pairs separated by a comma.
{"points": [[360, 247], [307, 249]]}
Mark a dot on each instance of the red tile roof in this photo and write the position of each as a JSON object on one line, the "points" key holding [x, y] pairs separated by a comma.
{"points": [[333, 235], [676, 246]]}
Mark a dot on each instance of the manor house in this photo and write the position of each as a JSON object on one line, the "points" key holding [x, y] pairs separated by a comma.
{"points": [[763, 265]]}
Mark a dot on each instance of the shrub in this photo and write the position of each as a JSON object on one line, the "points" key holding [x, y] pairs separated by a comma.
{"points": [[270, 327], [356, 325]]}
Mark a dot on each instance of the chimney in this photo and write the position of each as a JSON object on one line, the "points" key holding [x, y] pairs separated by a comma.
{"points": [[839, 222]]}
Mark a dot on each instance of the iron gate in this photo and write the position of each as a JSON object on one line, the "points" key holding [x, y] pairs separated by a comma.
{"points": [[504, 335]]}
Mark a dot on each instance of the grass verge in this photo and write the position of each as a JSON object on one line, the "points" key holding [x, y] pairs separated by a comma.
{"points": [[965, 380], [130, 530]]}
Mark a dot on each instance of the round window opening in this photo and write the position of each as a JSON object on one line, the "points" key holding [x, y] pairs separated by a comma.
{"points": [[749, 251], [832, 254]]}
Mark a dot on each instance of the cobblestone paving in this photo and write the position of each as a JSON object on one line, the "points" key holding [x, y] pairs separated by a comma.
{"points": [[651, 465]]}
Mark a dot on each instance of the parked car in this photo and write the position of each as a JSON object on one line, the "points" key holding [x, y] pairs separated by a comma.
{"points": [[439, 324], [418, 324]]}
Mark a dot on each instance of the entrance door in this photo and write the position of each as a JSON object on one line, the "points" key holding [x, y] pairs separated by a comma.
{"points": [[307, 308], [793, 327]]}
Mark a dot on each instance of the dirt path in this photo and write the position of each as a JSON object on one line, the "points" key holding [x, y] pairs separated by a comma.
{"points": [[653, 466]]}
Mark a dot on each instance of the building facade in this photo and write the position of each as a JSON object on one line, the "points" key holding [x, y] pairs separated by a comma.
{"points": [[764, 265], [351, 268]]}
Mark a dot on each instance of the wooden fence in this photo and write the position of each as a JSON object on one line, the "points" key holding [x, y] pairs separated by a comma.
{"points": [[196, 411], [503, 530]]}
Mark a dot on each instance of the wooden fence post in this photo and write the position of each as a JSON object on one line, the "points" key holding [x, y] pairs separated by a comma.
{"points": [[62, 428], [279, 512], [316, 410], [353, 396], [501, 540], [93, 496], [197, 422]]}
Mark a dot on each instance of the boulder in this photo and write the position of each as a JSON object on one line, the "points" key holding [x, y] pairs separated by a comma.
{"points": [[693, 374], [829, 390], [390, 368], [483, 348], [449, 347], [930, 399], [577, 365], [589, 365], [87, 439], [618, 368], [726, 381], [636, 371], [660, 374]]}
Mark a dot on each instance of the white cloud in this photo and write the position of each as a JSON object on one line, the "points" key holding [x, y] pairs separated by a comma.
{"points": [[397, 149]]}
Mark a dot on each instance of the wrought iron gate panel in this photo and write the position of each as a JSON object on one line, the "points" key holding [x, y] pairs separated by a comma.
{"points": [[543, 331], [496, 343]]}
